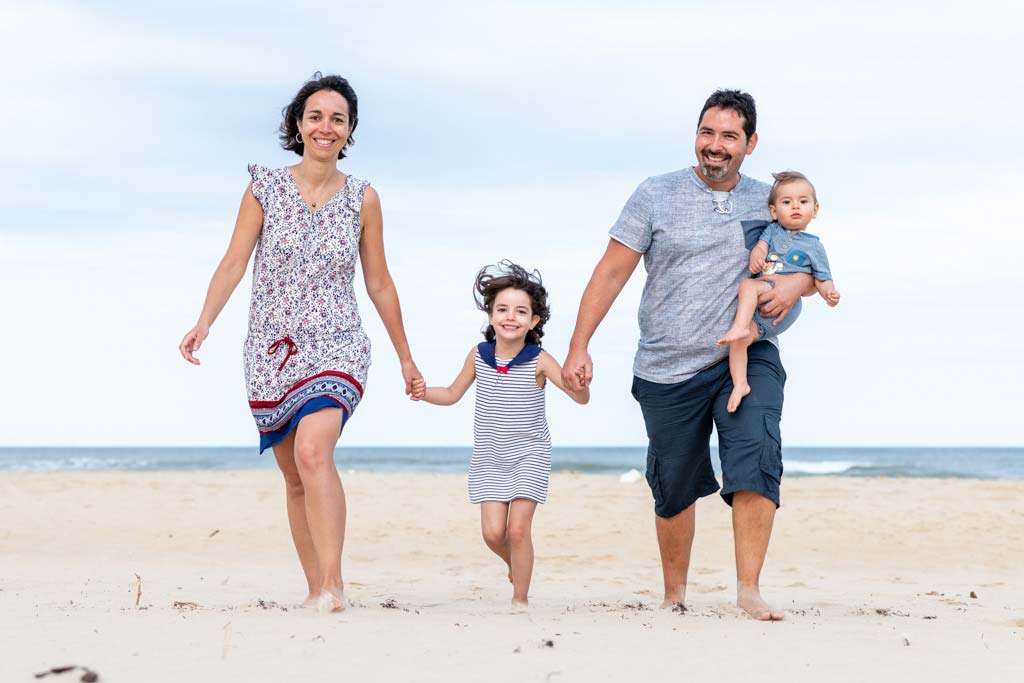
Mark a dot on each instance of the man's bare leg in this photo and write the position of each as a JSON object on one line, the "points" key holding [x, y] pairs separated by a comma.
{"points": [[752, 519], [675, 540]]}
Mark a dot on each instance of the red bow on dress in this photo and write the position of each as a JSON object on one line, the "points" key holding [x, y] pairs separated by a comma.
{"points": [[293, 349]]}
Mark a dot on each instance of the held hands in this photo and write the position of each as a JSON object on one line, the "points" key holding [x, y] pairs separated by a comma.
{"points": [[419, 389], [411, 374], [192, 341], [578, 369]]}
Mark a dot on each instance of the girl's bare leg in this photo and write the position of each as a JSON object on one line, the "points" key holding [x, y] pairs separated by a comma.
{"points": [[295, 496], [738, 366], [315, 438], [494, 527], [520, 522]]}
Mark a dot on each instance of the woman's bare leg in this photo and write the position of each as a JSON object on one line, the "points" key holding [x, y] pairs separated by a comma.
{"points": [[520, 540], [295, 496], [315, 438]]}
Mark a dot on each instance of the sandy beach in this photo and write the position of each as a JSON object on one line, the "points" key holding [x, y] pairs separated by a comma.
{"points": [[192, 577]]}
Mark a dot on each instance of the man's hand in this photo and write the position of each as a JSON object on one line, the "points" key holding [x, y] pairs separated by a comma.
{"points": [[578, 369], [780, 299]]}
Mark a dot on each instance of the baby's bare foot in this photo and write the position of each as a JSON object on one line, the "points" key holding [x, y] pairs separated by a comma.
{"points": [[738, 392], [735, 333]]}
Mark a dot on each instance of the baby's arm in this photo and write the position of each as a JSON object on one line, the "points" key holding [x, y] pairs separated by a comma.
{"points": [[548, 367], [446, 396], [827, 290], [758, 255]]}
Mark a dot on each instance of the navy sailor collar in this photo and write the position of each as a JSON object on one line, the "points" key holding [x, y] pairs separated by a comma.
{"points": [[486, 351]]}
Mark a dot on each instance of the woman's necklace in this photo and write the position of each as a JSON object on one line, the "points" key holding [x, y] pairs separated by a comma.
{"points": [[314, 196]]}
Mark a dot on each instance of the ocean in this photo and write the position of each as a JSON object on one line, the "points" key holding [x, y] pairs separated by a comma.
{"points": [[945, 463]]}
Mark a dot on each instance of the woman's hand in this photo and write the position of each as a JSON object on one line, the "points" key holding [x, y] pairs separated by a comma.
{"points": [[410, 373], [192, 341]]}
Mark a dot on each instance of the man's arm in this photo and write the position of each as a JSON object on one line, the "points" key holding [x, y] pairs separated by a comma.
{"points": [[610, 275]]}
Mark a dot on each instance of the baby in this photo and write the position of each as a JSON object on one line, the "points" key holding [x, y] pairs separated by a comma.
{"points": [[783, 248]]}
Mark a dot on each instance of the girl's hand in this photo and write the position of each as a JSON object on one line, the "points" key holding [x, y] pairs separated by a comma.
{"points": [[192, 341], [832, 298], [410, 373], [419, 389]]}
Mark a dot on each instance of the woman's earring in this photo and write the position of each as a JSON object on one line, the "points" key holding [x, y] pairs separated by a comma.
{"points": [[298, 138]]}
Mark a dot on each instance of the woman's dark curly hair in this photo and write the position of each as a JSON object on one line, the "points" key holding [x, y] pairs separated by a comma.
{"points": [[296, 109], [507, 275]]}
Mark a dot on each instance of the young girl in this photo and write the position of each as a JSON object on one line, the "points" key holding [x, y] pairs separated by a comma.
{"points": [[508, 473]]}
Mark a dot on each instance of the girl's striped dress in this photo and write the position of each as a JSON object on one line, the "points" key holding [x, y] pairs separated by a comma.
{"points": [[511, 443]]}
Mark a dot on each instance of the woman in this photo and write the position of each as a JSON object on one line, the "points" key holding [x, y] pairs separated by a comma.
{"points": [[306, 355]]}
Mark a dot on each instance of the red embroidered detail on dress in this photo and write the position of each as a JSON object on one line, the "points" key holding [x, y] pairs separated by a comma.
{"points": [[292, 350]]}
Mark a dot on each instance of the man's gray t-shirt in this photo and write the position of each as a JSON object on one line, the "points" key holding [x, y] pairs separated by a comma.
{"points": [[696, 253]]}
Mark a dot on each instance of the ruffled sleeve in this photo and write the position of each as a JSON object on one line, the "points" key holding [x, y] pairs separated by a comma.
{"points": [[260, 182]]}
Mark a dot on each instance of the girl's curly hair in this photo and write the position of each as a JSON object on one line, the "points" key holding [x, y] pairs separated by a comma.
{"points": [[507, 275]]}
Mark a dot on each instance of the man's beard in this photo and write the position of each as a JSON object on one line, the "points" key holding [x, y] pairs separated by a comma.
{"points": [[715, 173]]}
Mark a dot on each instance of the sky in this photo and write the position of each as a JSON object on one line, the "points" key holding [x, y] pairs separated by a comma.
{"points": [[499, 130]]}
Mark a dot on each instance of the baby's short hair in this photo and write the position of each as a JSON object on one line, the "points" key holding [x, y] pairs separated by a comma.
{"points": [[788, 177]]}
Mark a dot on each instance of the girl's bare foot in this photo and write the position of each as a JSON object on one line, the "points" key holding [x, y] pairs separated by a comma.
{"points": [[738, 392]]}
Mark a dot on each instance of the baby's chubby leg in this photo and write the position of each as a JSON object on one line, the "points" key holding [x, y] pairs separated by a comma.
{"points": [[738, 366], [750, 289]]}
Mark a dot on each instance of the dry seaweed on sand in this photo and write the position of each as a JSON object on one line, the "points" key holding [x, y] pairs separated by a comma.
{"points": [[89, 676]]}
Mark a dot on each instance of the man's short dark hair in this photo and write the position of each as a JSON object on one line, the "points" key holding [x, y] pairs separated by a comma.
{"points": [[737, 100]]}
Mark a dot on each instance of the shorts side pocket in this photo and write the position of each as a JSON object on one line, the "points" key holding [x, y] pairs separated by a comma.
{"points": [[771, 450], [654, 481]]}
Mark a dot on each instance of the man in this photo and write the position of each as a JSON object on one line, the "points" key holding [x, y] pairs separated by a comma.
{"points": [[694, 228]]}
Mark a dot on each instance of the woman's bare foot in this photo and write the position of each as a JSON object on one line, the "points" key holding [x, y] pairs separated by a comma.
{"points": [[310, 600], [735, 333], [738, 392], [520, 606], [331, 600], [751, 602]]}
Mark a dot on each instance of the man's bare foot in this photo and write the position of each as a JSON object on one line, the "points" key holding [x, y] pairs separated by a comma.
{"points": [[674, 599], [520, 606], [331, 600], [751, 602], [735, 333], [738, 392]]}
